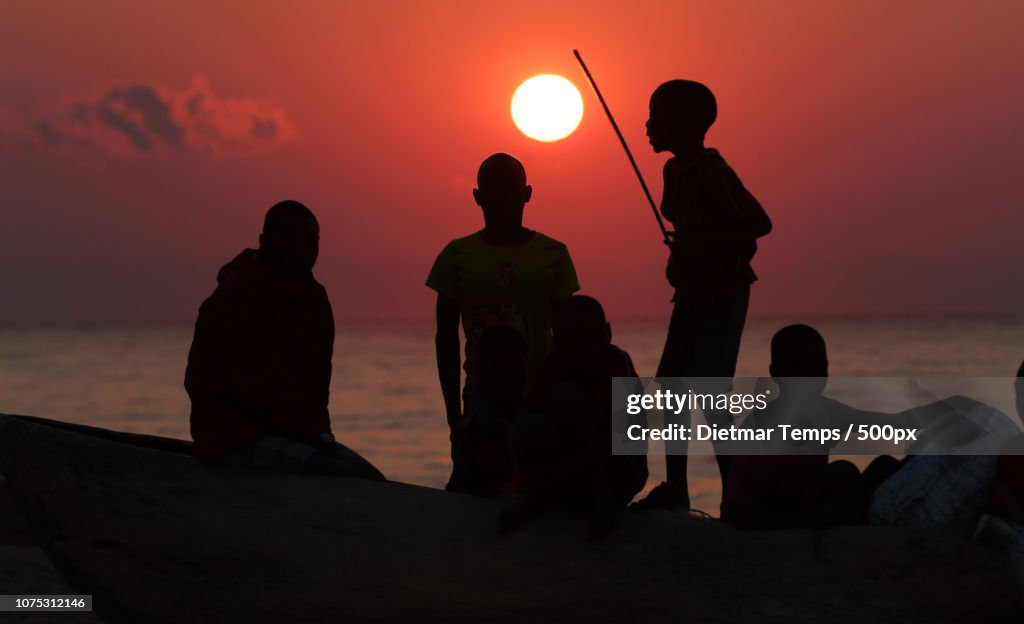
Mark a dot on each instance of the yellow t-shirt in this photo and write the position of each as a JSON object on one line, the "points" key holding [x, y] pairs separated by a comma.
{"points": [[504, 285]]}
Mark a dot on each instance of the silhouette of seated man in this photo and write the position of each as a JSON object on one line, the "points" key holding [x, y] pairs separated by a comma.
{"points": [[799, 486], [259, 369], [561, 444], [501, 368], [505, 274]]}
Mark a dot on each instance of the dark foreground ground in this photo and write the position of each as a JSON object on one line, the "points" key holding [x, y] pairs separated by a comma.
{"points": [[24, 569]]}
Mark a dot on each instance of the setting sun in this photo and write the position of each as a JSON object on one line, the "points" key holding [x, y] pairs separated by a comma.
{"points": [[547, 107]]}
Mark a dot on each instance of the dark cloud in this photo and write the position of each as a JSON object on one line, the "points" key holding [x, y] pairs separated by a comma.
{"points": [[194, 103], [81, 113], [156, 114], [119, 122], [263, 128], [48, 134], [136, 119]]}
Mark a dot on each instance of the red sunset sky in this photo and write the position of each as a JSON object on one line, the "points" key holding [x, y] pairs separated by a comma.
{"points": [[141, 143]]}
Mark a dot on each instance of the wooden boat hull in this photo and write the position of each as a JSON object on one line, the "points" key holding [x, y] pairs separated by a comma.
{"points": [[158, 537]]}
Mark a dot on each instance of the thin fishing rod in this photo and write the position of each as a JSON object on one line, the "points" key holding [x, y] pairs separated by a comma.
{"points": [[622, 139]]}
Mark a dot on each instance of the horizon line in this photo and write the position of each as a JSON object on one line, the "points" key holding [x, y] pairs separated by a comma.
{"points": [[639, 318]]}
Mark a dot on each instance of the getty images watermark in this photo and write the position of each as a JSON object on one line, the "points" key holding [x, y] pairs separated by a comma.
{"points": [[811, 415]]}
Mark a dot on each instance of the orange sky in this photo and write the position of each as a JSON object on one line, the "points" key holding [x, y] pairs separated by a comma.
{"points": [[884, 139]]}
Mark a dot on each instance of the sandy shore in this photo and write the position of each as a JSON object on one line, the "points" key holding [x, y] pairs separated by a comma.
{"points": [[24, 568]]}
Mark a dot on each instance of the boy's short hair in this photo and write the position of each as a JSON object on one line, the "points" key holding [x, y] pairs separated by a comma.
{"points": [[1020, 371], [690, 100], [795, 339], [284, 211], [501, 170]]}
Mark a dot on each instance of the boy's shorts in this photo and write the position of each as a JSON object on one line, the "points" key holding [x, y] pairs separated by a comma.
{"points": [[704, 338]]}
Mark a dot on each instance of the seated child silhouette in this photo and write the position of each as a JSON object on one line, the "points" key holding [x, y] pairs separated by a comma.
{"points": [[799, 486], [561, 446]]}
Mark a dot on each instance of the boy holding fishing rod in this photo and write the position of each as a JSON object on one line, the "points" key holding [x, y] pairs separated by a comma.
{"points": [[716, 225]]}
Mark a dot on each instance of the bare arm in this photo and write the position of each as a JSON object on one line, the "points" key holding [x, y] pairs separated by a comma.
{"points": [[449, 358], [923, 415], [915, 417]]}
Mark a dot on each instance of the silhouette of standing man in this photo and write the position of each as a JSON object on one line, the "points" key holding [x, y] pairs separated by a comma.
{"points": [[717, 223], [259, 370], [505, 274]]}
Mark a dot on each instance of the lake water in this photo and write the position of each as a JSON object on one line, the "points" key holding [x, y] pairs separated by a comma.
{"points": [[385, 401]]}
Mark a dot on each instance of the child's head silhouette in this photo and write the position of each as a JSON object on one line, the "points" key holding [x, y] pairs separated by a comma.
{"points": [[579, 324], [799, 359], [681, 111]]}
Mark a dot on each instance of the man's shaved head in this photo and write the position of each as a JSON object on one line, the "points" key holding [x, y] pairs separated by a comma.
{"points": [[501, 171], [501, 193]]}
